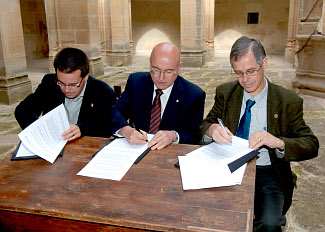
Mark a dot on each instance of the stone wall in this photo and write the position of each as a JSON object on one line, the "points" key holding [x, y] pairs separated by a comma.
{"points": [[35, 29], [231, 23], [154, 22]]}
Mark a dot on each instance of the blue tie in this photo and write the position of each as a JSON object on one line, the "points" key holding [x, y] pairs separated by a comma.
{"points": [[245, 121]]}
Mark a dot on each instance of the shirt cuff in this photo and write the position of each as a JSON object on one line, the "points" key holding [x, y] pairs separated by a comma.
{"points": [[207, 139], [177, 135], [279, 153]]}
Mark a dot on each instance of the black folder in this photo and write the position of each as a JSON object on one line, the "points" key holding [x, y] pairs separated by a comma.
{"points": [[14, 155], [234, 165]]}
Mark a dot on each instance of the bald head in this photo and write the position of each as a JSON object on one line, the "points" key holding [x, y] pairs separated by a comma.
{"points": [[166, 51], [164, 64]]}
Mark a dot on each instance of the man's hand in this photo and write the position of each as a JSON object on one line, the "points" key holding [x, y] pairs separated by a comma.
{"points": [[218, 134], [72, 133], [162, 139], [264, 138], [133, 136]]}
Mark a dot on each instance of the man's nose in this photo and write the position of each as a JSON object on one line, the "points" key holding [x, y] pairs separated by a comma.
{"points": [[245, 77], [161, 76]]}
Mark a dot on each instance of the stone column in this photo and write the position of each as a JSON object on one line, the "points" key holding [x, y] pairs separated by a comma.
{"points": [[192, 33], [209, 29], [14, 82], [75, 23], [292, 30], [117, 29], [311, 51]]}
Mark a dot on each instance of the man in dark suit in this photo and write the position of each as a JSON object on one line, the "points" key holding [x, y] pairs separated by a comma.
{"points": [[87, 101], [276, 129], [160, 102]]}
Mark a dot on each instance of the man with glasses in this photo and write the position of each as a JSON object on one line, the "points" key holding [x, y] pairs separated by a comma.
{"points": [[160, 102], [271, 118], [87, 101]]}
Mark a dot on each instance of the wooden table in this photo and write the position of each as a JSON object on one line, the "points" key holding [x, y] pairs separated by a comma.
{"points": [[38, 196]]}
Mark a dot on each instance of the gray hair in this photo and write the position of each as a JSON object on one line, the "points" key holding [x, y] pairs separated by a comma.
{"points": [[243, 45]]}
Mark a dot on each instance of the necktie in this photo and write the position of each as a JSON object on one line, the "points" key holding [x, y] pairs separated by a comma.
{"points": [[245, 121], [155, 113]]}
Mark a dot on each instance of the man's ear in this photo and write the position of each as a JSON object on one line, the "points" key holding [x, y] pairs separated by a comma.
{"points": [[264, 63]]}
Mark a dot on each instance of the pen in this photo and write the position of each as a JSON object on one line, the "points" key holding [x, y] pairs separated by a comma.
{"points": [[138, 130], [221, 124], [143, 154]]}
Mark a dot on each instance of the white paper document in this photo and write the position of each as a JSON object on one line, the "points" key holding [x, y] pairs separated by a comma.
{"points": [[114, 160], [207, 167], [43, 137], [23, 151]]}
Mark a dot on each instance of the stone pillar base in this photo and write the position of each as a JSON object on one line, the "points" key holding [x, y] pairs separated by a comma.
{"points": [[289, 54], [14, 89], [96, 67], [310, 83], [193, 58], [119, 58], [209, 57]]}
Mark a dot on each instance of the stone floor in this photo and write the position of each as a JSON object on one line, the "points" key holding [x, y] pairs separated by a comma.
{"points": [[307, 212]]}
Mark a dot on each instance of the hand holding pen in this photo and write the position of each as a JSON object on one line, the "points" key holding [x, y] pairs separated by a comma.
{"points": [[133, 135], [225, 133], [143, 135], [219, 133]]}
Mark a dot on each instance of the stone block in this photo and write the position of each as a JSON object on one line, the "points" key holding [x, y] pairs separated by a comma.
{"points": [[65, 8], [67, 37], [96, 67], [82, 37], [14, 89], [119, 58], [193, 59], [64, 22], [79, 22]]}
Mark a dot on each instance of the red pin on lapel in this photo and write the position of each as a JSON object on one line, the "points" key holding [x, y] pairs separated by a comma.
{"points": [[276, 116]]}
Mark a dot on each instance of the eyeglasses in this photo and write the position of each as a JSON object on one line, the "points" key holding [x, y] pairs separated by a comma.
{"points": [[249, 72], [157, 72], [71, 86]]}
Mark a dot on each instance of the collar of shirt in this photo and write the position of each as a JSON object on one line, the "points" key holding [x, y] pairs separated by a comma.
{"points": [[163, 98], [72, 106]]}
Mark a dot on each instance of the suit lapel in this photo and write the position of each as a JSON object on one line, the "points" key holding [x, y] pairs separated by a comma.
{"points": [[175, 101], [86, 101], [273, 110], [234, 106], [145, 101]]}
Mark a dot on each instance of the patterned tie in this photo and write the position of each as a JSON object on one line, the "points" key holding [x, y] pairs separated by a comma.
{"points": [[155, 113], [245, 121]]}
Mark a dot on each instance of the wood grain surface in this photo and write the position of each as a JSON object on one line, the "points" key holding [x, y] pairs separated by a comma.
{"points": [[38, 196]]}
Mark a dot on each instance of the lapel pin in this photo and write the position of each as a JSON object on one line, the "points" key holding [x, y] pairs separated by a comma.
{"points": [[92, 104], [276, 116], [177, 100]]}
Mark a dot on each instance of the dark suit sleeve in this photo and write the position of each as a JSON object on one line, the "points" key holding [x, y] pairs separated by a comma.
{"points": [[38, 102], [300, 142], [216, 112], [188, 128]]}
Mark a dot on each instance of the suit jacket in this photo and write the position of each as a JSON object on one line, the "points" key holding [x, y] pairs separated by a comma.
{"points": [[183, 112], [94, 116], [284, 120]]}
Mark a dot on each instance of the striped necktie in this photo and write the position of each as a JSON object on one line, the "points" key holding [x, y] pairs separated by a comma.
{"points": [[155, 113]]}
